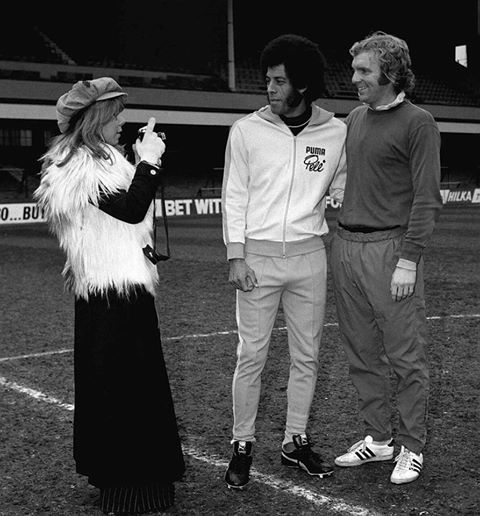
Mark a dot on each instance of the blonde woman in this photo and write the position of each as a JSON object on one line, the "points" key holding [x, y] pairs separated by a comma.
{"points": [[99, 206]]}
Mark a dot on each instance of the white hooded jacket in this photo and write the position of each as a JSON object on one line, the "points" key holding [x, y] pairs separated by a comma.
{"points": [[275, 184]]}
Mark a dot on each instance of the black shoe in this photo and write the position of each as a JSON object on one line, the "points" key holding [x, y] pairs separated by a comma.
{"points": [[305, 458], [238, 472]]}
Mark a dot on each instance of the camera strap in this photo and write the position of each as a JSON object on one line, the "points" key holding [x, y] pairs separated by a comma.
{"points": [[165, 224]]}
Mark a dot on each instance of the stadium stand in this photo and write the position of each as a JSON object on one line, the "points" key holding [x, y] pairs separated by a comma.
{"points": [[33, 56], [431, 90], [29, 45], [34, 46], [462, 89]]}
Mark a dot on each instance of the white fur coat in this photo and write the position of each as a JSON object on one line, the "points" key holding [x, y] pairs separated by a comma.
{"points": [[102, 252]]}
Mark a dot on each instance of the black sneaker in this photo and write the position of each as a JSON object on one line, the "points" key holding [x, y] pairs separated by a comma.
{"points": [[238, 472], [305, 458]]}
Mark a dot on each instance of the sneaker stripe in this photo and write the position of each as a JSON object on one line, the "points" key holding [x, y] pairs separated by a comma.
{"points": [[365, 454]]}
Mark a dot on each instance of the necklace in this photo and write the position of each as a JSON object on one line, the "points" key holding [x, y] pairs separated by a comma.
{"points": [[300, 125]]}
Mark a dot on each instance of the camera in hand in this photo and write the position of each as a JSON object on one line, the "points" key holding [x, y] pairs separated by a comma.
{"points": [[142, 130]]}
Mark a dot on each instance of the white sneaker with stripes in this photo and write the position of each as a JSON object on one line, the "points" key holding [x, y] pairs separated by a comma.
{"points": [[365, 451], [408, 467]]}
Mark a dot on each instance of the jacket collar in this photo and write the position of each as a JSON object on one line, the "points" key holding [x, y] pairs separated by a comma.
{"points": [[398, 100], [319, 115]]}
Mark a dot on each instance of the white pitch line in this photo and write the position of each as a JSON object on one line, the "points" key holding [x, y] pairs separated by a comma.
{"points": [[34, 394], [222, 333], [279, 484], [34, 355], [319, 500], [227, 332], [335, 505]]}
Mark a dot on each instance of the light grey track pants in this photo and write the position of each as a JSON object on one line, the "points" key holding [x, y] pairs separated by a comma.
{"points": [[379, 333], [299, 282]]}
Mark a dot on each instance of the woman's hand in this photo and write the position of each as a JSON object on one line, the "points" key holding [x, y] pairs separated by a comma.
{"points": [[151, 147]]}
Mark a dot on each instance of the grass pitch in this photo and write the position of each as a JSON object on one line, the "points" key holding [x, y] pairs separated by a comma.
{"points": [[196, 308]]}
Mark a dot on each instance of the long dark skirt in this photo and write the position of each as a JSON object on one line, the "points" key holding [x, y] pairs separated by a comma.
{"points": [[125, 429]]}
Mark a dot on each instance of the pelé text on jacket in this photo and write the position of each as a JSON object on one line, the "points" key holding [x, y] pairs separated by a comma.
{"points": [[313, 162]]}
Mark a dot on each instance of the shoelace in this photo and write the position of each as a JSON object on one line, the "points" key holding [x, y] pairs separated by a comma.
{"points": [[404, 460]]}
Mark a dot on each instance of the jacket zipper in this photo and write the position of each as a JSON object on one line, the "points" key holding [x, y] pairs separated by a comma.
{"points": [[284, 250]]}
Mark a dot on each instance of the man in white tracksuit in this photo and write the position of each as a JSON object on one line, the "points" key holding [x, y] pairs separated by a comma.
{"points": [[280, 163]]}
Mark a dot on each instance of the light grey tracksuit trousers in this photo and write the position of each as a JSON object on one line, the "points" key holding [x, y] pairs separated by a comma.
{"points": [[379, 333], [298, 281]]}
